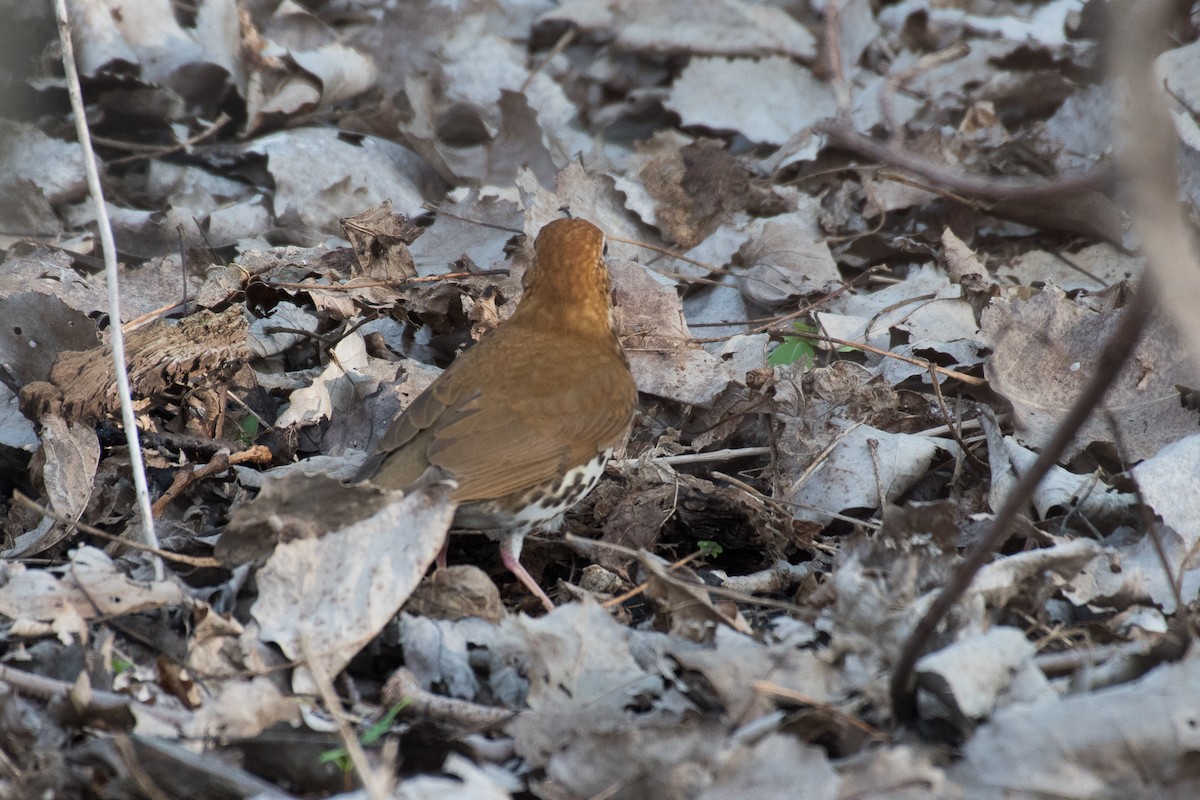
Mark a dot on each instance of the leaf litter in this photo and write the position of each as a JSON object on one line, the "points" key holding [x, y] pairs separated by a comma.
{"points": [[317, 207]]}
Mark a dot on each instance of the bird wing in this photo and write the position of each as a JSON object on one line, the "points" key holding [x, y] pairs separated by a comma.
{"points": [[511, 431], [498, 443], [401, 455]]}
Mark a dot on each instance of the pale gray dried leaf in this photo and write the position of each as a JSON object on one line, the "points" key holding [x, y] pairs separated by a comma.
{"points": [[1044, 24], [341, 72], [578, 656], [471, 231], [147, 34], [880, 593], [91, 587], [1167, 483], [239, 223], [1176, 69], [70, 453], [744, 353], [776, 767], [873, 93], [785, 258], [857, 29], [1093, 268], [959, 259], [588, 196], [15, 430], [1045, 350], [147, 233], [1128, 574], [1119, 742], [321, 178], [926, 308], [264, 343], [883, 771], [766, 100], [650, 323], [384, 389], [469, 149], [166, 179], [865, 466], [331, 391], [734, 663], [327, 596], [1060, 491], [1003, 579], [51, 272], [716, 27], [479, 67], [1082, 128], [36, 328], [465, 780], [918, 305], [948, 83], [712, 304], [53, 166], [438, 652], [963, 683], [885, 195], [656, 758]]}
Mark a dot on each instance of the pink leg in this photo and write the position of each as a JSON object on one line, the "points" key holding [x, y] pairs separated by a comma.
{"points": [[441, 556], [510, 556]]}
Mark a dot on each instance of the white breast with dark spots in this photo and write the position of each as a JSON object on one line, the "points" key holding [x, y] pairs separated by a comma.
{"points": [[543, 510]]}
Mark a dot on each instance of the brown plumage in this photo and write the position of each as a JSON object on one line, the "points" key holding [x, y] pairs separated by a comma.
{"points": [[525, 420]]}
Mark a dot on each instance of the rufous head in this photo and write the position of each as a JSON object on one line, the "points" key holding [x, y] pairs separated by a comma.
{"points": [[568, 274]]}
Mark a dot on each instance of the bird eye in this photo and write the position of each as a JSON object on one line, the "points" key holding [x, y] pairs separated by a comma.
{"points": [[605, 251]]}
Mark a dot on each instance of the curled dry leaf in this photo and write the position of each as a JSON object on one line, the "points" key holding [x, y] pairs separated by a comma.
{"points": [[39, 603]]}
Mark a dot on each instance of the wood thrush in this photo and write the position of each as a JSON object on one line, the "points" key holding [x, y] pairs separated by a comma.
{"points": [[526, 419]]}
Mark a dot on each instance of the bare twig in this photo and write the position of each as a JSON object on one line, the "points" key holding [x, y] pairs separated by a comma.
{"points": [[1116, 352], [219, 463], [951, 423], [698, 458], [376, 782], [370, 283], [784, 693], [900, 78], [559, 46], [970, 380], [840, 133], [191, 561], [832, 55], [403, 686], [117, 336], [98, 701], [155, 151]]}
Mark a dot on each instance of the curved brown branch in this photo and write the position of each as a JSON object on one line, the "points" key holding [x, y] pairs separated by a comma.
{"points": [[1116, 352], [841, 134]]}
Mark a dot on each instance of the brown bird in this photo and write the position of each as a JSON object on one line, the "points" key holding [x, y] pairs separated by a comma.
{"points": [[526, 419]]}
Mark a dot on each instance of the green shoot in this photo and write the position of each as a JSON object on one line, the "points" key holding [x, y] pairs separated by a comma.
{"points": [[340, 756]]}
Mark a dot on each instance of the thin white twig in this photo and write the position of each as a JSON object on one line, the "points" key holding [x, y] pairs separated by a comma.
{"points": [[697, 458], [375, 782], [110, 274]]}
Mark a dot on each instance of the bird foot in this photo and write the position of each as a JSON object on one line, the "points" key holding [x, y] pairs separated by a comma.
{"points": [[513, 564]]}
